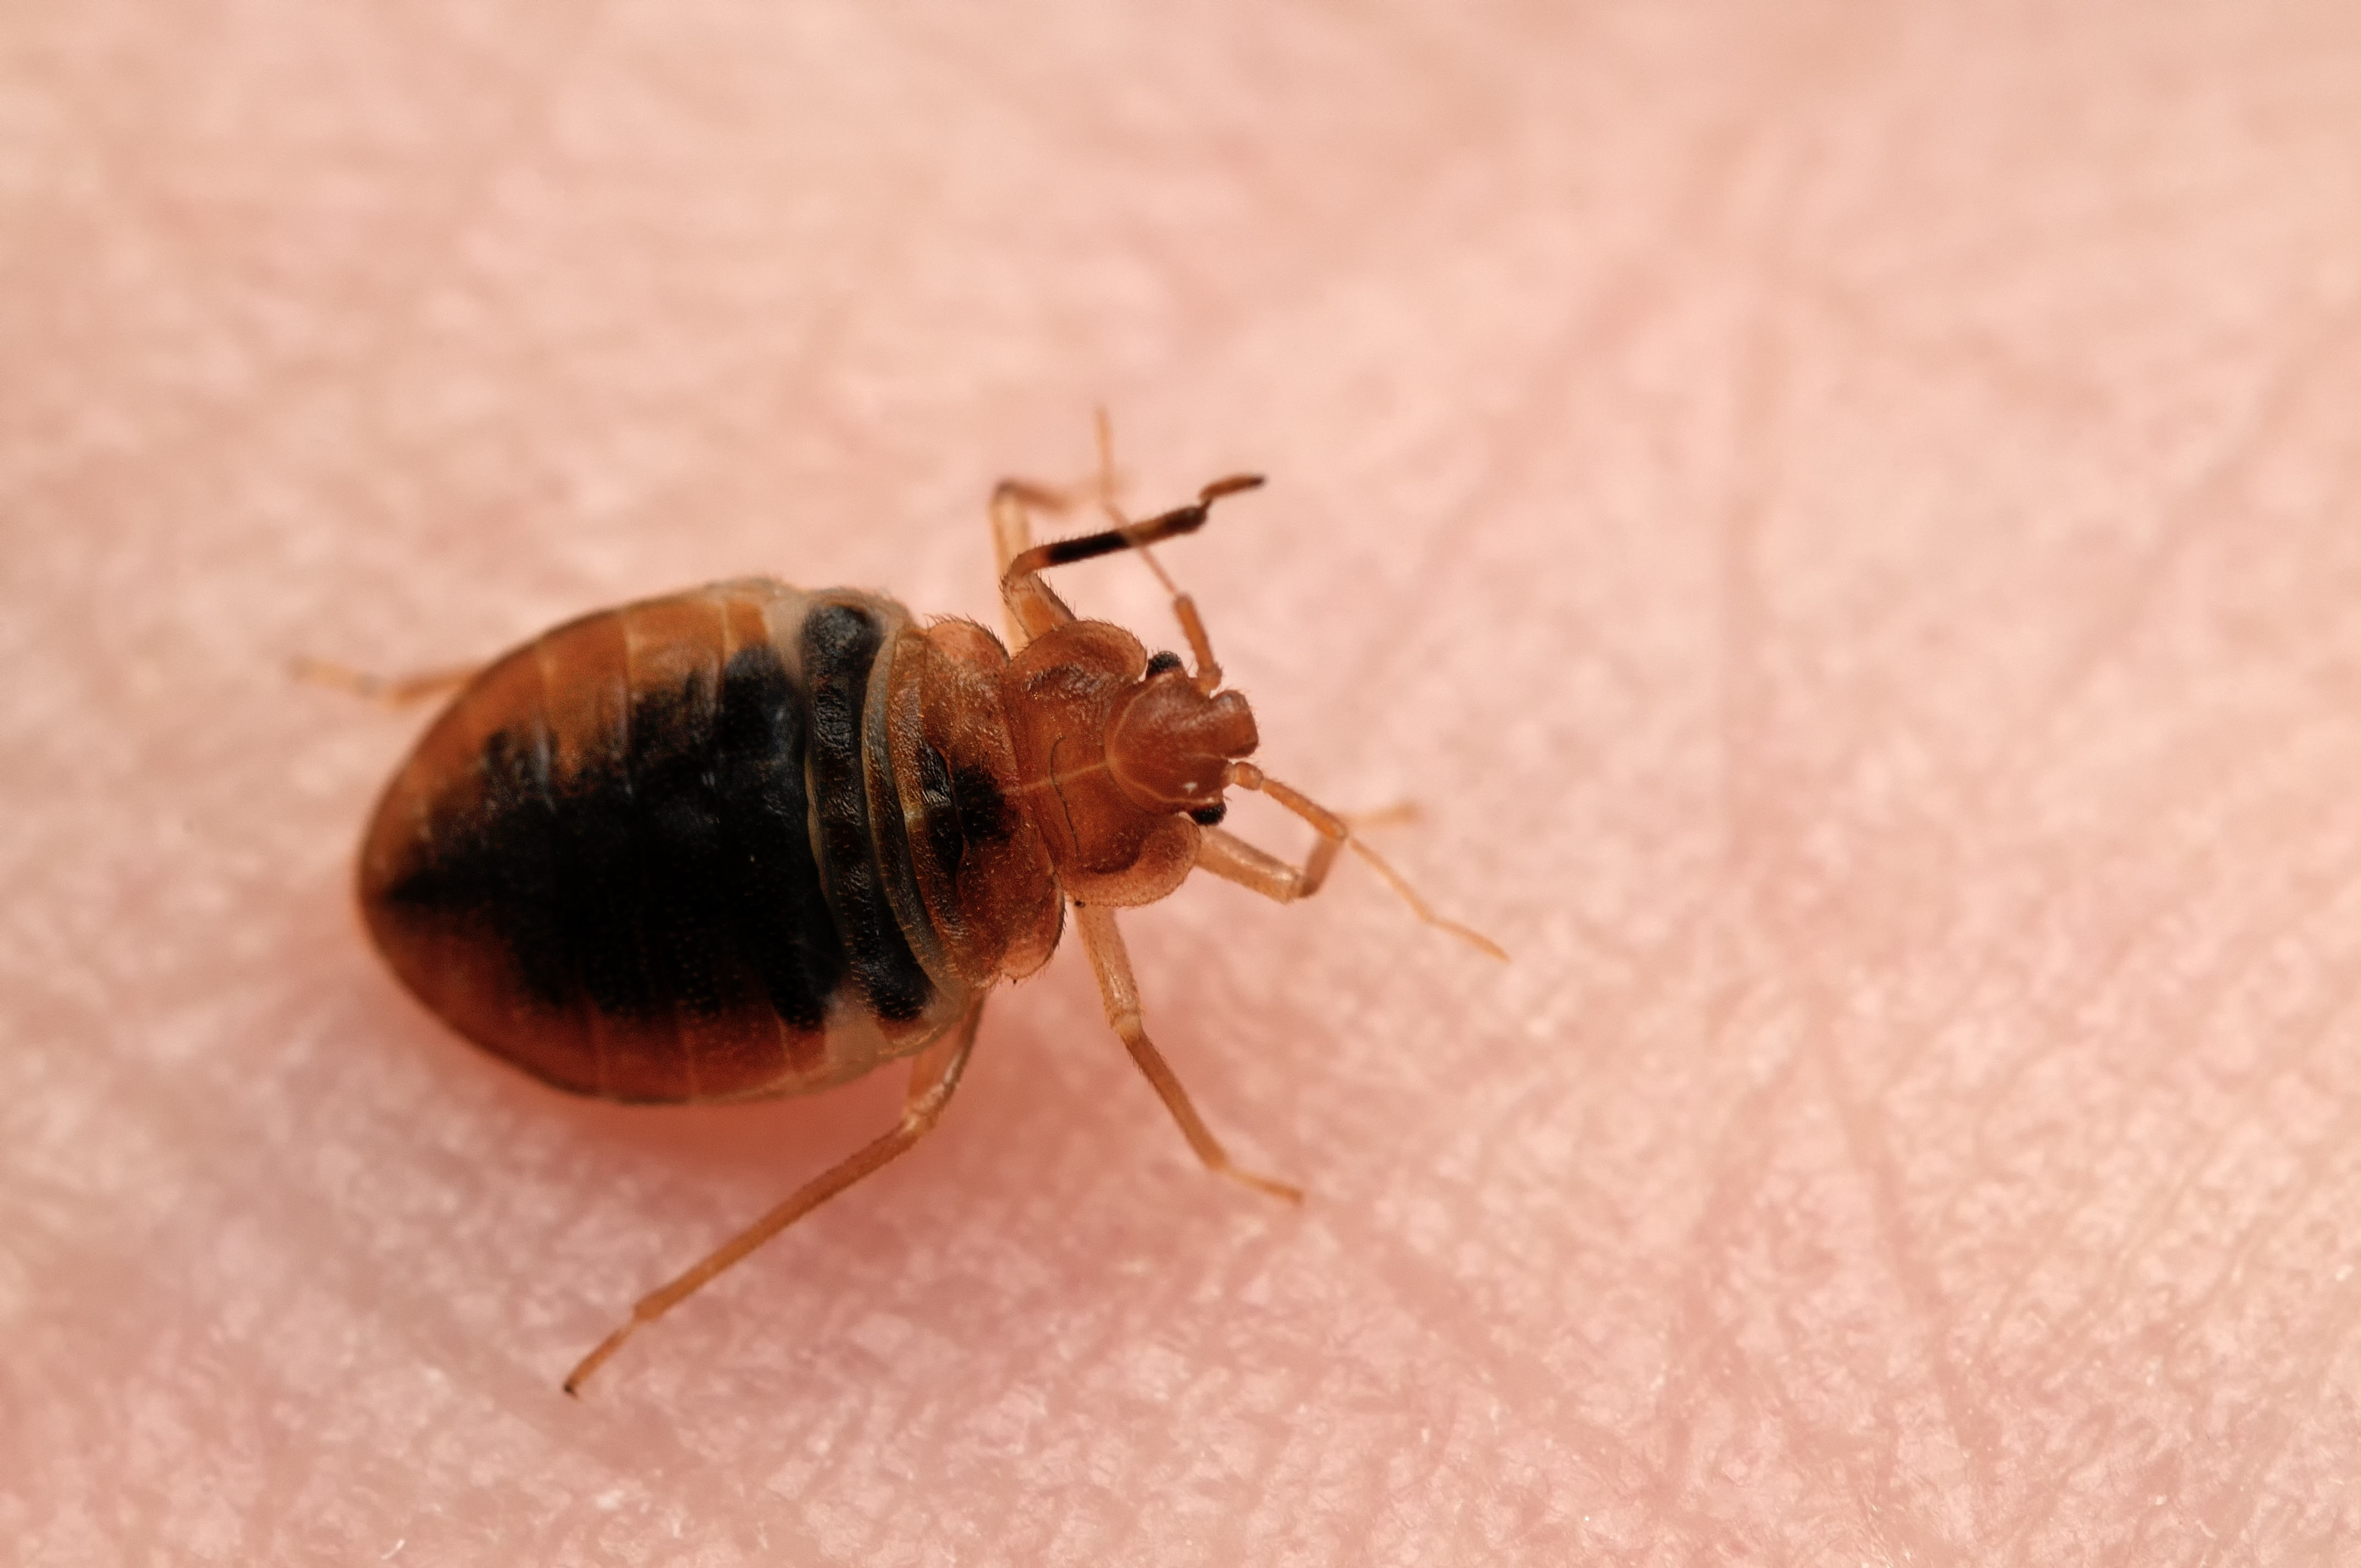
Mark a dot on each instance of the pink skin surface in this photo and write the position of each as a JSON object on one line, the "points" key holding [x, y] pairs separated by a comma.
{"points": [[1844, 516]]}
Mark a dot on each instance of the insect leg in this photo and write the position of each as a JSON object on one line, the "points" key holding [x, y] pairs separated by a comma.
{"points": [[1120, 993], [934, 1074], [1234, 860], [392, 691]]}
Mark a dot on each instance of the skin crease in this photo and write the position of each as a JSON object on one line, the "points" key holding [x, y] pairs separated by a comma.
{"points": [[1844, 517]]}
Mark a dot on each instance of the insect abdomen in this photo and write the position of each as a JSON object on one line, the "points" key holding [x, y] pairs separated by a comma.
{"points": [[636, 857]]}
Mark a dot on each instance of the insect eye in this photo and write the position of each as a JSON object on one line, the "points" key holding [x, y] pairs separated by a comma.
{"points": [[1159, 664], [1210, 816]]}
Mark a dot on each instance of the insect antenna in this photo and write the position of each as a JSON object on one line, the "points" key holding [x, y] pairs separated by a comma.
{"points": [[1336, 833]]}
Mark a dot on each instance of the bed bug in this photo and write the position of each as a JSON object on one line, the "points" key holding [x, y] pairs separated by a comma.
{"points": [[749, 840]]}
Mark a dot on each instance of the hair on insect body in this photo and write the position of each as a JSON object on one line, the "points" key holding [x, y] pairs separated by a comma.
{"points": [[747, 840]]}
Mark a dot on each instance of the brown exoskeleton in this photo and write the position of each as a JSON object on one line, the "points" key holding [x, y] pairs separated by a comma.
{"points": [[747, 840]]}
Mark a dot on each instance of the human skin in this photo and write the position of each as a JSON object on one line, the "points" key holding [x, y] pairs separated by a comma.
{"points": [[1842, 517]]}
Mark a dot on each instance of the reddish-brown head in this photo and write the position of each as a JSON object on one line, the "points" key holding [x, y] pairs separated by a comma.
{"points": [[1170, 745], [1120, 758]]}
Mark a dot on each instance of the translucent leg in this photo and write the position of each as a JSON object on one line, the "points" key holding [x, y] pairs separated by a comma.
{"points": [[934, 1074], [392, 691], [1120, 993]]}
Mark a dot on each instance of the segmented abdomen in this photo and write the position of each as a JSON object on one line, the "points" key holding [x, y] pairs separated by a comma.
{"points": [[639, 857]]}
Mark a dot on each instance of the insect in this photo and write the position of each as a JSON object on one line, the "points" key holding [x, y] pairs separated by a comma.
{"points": [[749, 840]]}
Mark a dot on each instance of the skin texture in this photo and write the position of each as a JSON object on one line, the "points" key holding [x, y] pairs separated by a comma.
{"points": [[1844, 516]]}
